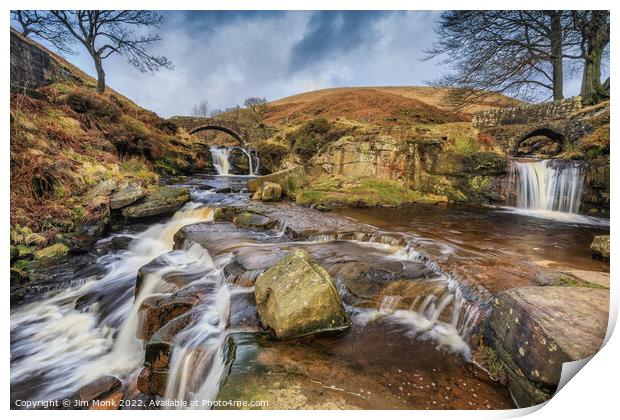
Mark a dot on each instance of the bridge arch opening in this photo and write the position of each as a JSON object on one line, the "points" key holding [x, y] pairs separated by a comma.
{"points": [[215, 127], [542, 142]]}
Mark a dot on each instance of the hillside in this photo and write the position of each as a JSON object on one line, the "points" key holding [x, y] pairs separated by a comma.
{"points": [[71, 146], [432, 96]]}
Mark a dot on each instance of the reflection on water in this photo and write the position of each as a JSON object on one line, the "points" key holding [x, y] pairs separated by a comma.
{"points": [[495, 247]]}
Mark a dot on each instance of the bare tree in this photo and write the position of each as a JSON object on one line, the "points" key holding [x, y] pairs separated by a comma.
{"points": [[41, 24], [510, 51], [107, 32], [258, 106], [201, 109]]}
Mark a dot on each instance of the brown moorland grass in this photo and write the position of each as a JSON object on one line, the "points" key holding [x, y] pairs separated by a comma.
{"points": [[367, 105]]}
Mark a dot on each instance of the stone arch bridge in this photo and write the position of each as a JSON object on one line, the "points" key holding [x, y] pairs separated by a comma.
{"points": [[561, 121], [195, 124]]}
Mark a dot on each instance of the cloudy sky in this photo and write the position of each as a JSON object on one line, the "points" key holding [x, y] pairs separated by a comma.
{"points": [[225, 57]]}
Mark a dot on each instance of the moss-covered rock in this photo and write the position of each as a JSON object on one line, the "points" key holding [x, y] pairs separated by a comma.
{"points": [[289, 179], [159, 201], [297, 297], [338, 191], [271, 191], [126, 196], [600, 247], [53, 251], [253, 220]]}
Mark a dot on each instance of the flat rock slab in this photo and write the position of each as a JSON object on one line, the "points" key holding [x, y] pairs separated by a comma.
{"points": [[163, 200], [596, 277], [126, 196], [536, 329]]}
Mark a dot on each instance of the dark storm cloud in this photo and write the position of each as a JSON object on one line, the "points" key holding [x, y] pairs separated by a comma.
{"points": [[207, 21], [334, 32], [228, 56]]}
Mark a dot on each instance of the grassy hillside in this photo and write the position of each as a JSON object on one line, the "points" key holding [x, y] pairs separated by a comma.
{"points": [[68, 142], [437, 97]]}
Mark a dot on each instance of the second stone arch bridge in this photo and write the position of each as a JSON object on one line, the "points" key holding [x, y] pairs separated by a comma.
{"points": [[559, 121]]}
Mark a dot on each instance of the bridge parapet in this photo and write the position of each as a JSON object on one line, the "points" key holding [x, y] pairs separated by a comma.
{"points": [[527, 114], [195, 124]]}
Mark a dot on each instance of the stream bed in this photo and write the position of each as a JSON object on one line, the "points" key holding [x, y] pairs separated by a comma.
{"points": [[414, 281]]}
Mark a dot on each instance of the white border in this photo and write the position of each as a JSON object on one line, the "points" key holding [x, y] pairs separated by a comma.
{"points": [[593, 394]]}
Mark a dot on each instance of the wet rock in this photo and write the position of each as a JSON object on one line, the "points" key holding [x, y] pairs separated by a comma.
{"points": [[126, 196], [152, 382], [156, 311], [600, 247], [254, 220], [534, 330], [84, 238], [175, 279], [99, 388], [162, 201], [154, 376], [285, 178], [297, 297], [271, 191], [53, 251], [226, 214]]}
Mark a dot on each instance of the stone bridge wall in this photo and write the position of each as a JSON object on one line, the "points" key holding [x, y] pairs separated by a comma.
{"points": [[527, 114], [195, 124], [510, 126]]}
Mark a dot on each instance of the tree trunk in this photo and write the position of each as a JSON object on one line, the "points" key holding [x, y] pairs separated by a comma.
{"points": [[591, 88], [556, 52], [100, 75]]}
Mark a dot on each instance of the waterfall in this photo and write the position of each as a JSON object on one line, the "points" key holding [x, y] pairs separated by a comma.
{"points": [[220, 159], [74, 346], [548, 185], [220, 155]]}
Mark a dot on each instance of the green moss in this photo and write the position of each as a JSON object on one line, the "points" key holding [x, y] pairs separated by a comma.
{"points": [[465, 146], [312, 136], [570, 281], [271, 153], [362, 192], [53, 251]]}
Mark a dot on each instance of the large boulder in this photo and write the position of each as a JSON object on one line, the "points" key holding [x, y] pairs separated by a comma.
{"points": [[161, 201], [126, 196], [534, 330], [254, 220], [297, 297], [286, 178], [600, 247], [271, 191]]}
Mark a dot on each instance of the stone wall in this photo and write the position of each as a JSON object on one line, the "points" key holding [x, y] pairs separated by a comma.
{"points": [[526, 114], [31, 66]]}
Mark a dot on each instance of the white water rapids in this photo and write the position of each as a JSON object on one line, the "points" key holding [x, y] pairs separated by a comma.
{"points": [[73, 348], [59, 346]]}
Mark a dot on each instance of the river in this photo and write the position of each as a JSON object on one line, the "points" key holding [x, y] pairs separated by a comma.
{"points": [[414, 281]]}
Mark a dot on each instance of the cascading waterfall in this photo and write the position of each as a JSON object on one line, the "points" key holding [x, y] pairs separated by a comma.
{"points": [[74, 345], [221, 154], [548, 185], [220, 160]]}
